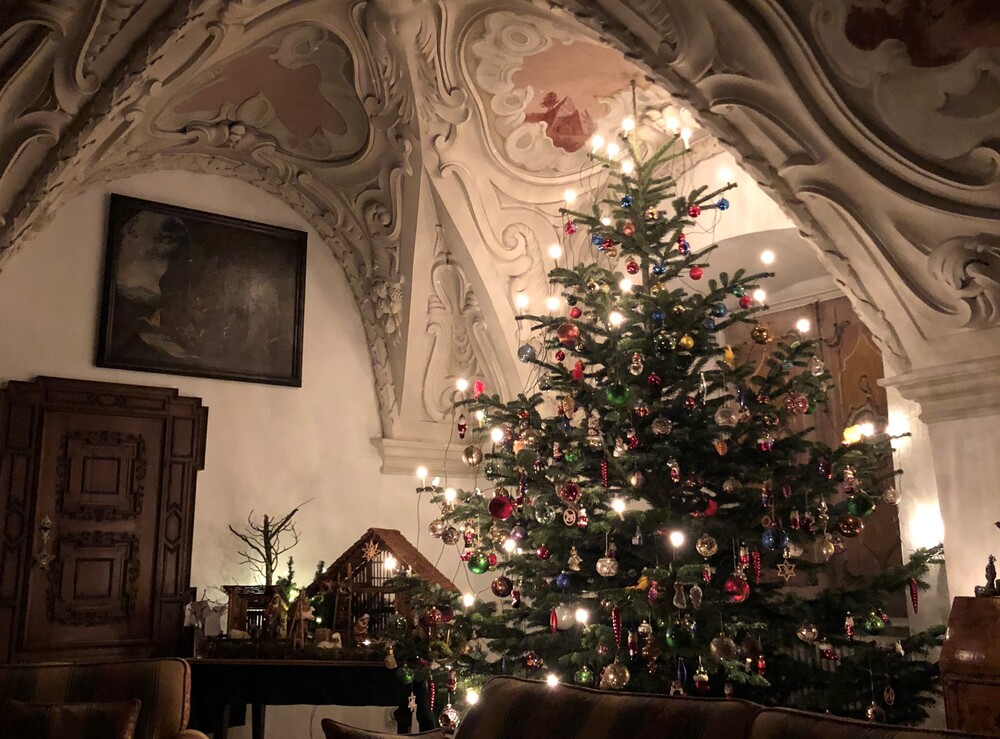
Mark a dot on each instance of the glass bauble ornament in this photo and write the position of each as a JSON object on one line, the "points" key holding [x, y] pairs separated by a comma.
{"points": [[436, 527], [502, 586], [542, 552], [569, 492], [807, 632], [850, 525], [662, 426], [526, 353], [563, 580], [890, 496], [860, 505], [615, 676], [727, 415], [730, 486], [530, 438], [584, 676], [396, 626], [567, 334], [617, 393], [761, 334], [405, 675], [696, 272], [546, 514], [500, 507], [449, 717], [875, 713], [774, 539], [664, 342], [816, 366], [450, 536], [431, 617], [736, 587], [826, 548], [472, 455], [478, 563], [519, 532], [874, 623], [607, 567], [722, 204], [686, 342], [722, 647], [706, 545], [565, 618], [796, 403]]}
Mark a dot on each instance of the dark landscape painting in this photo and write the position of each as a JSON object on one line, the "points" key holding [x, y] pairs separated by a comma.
{"points": [[193, 293]]}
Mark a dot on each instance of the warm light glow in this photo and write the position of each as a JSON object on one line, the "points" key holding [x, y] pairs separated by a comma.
{"points": [[686, 137], [605, 221], [613, 150], [628, 124], [615, 318], [857, 432], [422, 473], [468, 600], [582, 615], [472, 697], [803, 325], [319, 620], [450, 494], [618, 506], [759, 295], [435, 482], [496, 434], [555, 251], [898, 425], [767, 256], [292, 593], [677, 538], [509, 545], [926, 526], [628, 166], [867, 429], [480, 415], [462, 384], [552, 303], [367, 642], [552, 680], [626, 285], [521, 301], [673, 123], [569, 196], [390, 563], [596, 141], [725, 174]]}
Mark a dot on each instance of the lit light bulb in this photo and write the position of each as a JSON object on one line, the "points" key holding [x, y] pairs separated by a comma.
{"points": [[468, 600], [450, 494], [628, 124], [435, 482], [673, 123], [390, 563], [605, 221], [555, 251], [509, 545], [552, 303], [628, 166], [319, 620], [615, 318], [472, 697], [677, 538], [521, 301], [582, 615], [759, 295], [626, 285], [462, 384], [480, 416], [596, 141], [569, 196], [618, 506], [613, 150], [552, 680], [898, 424], [767, 256], [803, 325], [725, 174], [496, 434], [867, 429], [686, 137], [422, 473]]}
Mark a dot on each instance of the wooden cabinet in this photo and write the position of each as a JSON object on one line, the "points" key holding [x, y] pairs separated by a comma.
{"points": [[970, 666], [97, 485]]}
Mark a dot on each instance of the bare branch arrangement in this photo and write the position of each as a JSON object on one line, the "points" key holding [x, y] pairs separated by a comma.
{"points": [[262, 545]]}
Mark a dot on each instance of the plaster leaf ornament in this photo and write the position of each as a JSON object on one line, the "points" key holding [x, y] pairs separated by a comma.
{"points": [[370, 551], [388, 296], [970, 266]]}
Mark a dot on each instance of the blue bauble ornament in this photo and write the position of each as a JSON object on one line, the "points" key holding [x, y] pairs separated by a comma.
{"points": [[526, 353], [719, 310], [627, 201], [723, 204], [597, 240], [657, 315], [563, 580], [774, 539], [684, 248], [659, 269], [708, 323]]}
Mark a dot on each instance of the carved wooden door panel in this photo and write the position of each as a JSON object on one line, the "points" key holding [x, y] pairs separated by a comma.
{"points": [[99, 487]]}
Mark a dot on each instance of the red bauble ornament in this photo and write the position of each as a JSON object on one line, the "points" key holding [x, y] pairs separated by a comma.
{"points": [[570, 492], [575, 312], [632, 268], [628, 229], [653, 379], [681, 238], [577, 371], [737, 588], [914, 593], [543, 552], [500, 507], [796, 403], [696, 272], [694, 211], [560, 355], [711, 508], [431, 617], [689, 403], [567, 334], [491, 559], [569, 228]]}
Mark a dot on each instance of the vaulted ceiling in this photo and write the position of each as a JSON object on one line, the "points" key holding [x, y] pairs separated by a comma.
{"points": [[430, 144]]}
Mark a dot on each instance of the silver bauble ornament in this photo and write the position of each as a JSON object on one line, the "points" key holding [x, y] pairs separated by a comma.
{"points": [[472, 455], [722, 647], [436, 528], [607, 567], [615, 676]]}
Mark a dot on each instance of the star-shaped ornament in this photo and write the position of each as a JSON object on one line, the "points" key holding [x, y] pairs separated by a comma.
{"points": [[370, 551], [786, 570]]}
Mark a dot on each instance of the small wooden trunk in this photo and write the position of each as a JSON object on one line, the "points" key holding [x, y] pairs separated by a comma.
{"points": [[970, 666]]}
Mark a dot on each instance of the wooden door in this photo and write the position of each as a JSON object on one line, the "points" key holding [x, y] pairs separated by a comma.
{"points": [[97, 491]]}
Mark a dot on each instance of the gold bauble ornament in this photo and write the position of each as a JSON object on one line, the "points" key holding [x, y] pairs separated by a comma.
{"points": [[686, 342], [706, 545], [657, 288], [615, 676], [761, 334]]}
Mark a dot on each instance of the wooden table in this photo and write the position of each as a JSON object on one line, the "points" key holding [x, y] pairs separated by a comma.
{"points": [[220, 687]]}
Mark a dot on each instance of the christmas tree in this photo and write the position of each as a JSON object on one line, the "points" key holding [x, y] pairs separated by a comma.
{"points": [[644, 510]]}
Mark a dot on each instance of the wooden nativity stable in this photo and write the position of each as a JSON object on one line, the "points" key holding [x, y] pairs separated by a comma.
{"points": [[357, 582]]}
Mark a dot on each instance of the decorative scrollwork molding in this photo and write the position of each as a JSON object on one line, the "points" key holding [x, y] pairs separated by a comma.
{"points": [[971, 266]]}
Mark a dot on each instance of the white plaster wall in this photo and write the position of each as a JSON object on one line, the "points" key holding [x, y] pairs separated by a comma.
{"points": [[268, 447]]}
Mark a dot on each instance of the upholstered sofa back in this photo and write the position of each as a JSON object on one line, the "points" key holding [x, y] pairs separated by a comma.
{"points": [[162, 685], [514, 708]]}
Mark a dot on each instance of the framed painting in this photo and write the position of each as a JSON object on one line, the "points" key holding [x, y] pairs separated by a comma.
{"points": [[193, 293]]}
